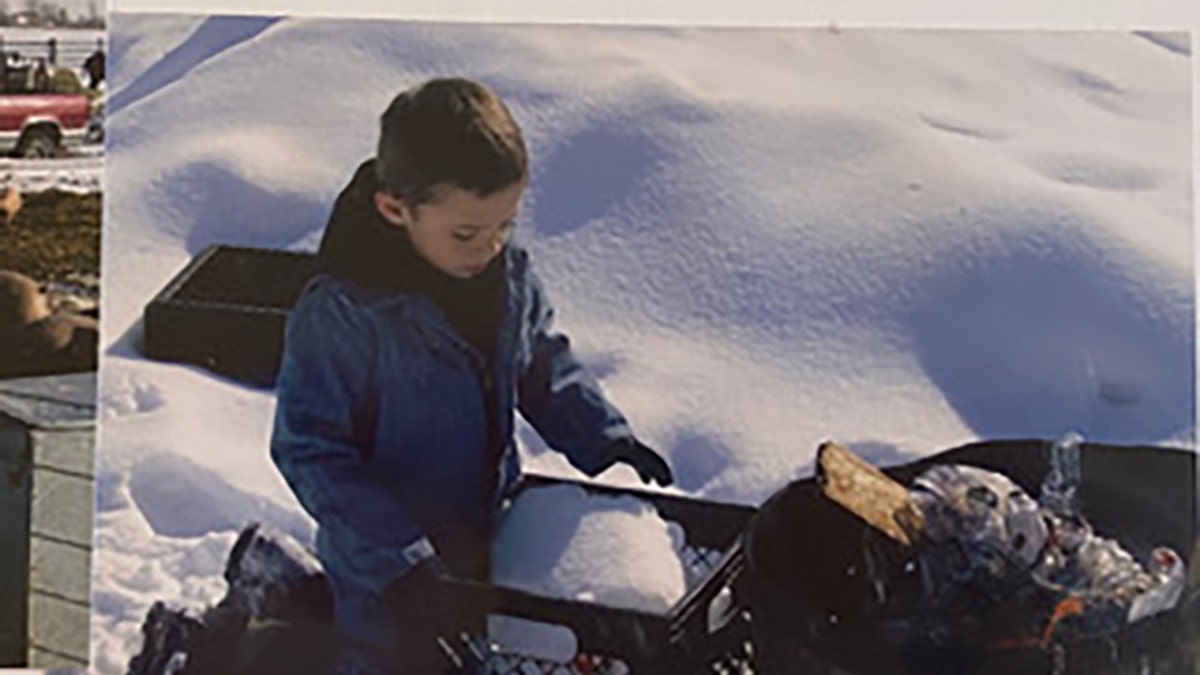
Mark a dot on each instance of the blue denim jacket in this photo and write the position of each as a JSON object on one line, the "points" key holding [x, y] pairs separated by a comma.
{"points": [[380, 428]]}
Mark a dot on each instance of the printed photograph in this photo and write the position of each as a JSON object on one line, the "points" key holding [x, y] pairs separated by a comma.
{"points": [[479, 348], [52, 63]]}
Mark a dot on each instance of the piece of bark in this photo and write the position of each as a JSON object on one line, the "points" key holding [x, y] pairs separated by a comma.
{"points": [[868, 493]]}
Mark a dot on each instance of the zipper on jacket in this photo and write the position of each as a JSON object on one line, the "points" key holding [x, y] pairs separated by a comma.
{"points": [[506, 343], [444, 338]]}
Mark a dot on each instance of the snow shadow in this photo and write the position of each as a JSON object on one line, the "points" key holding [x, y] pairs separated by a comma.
{"points": [[961, 128], [696, 460], [180, 498], [1099, 172], [530, 440], [1095, 89], [109, 493], [880, 453], [128, 344], [604, 164], [1047, 337], [543, 546], [1176, 42], [589, 173], [125, 33], [130, 396], [213, 36], [228, 209]]}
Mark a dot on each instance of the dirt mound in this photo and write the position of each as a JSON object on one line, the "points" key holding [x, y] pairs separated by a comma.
{"points": [[55, 238]]}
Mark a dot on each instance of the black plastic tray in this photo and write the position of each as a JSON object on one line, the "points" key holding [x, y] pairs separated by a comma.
{"points": [[227, 310], [614, 640]]}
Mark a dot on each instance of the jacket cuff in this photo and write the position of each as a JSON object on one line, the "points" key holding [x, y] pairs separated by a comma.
{"points": [[418, 551]]}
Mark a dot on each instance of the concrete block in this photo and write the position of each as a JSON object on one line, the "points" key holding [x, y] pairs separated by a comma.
{"points": [[70, 451], [59, 569], [61, 507], [58, 626]]}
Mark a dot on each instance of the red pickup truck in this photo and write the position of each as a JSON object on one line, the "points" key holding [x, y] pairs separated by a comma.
{"points": [[35, 121]]}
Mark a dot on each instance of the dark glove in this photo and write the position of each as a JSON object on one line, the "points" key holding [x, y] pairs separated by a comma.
{"points": [[648, 463], [422, 617], [418, 595]]}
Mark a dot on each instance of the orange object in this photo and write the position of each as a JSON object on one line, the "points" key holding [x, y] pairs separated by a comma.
{"points": [[10, 203], [1071, 606]]}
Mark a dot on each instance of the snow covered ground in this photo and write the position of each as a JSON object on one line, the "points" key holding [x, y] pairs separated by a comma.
{"points": [[77, 174], [758, 240]]}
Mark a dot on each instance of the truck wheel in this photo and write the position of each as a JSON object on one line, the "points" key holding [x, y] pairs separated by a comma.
{"points": [[37, 144]]}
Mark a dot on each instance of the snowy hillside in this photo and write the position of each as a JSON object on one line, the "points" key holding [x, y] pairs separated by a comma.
{"points": [[757, 239]]}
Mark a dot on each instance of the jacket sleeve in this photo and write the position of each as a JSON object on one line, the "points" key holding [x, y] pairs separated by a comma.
{"points": [[324, 420], [561, 400]]}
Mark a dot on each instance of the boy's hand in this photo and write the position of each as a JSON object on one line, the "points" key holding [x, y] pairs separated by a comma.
{"points": [[421, 614], [648, 463], [418, 592]]}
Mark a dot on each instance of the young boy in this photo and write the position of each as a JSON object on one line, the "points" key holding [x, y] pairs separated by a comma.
{"points": [[405, 362]]}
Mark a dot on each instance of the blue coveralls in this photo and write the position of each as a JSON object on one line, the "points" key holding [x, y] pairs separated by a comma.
{"points": [[381, 429]]}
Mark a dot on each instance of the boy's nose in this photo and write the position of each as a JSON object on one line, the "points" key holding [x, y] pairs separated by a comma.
{"points": [[494, 244]]}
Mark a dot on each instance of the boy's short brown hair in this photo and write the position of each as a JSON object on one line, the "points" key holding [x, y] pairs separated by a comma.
{"points": [[448, 131]]}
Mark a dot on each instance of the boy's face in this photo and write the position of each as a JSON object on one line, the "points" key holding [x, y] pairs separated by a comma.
{"points": [[456, 231]]}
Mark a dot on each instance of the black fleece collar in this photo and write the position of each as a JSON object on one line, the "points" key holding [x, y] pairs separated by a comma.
{"points": [[360, 246]]}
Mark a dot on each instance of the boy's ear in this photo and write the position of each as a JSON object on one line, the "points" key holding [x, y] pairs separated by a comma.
{"points": [[391, 208]]}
